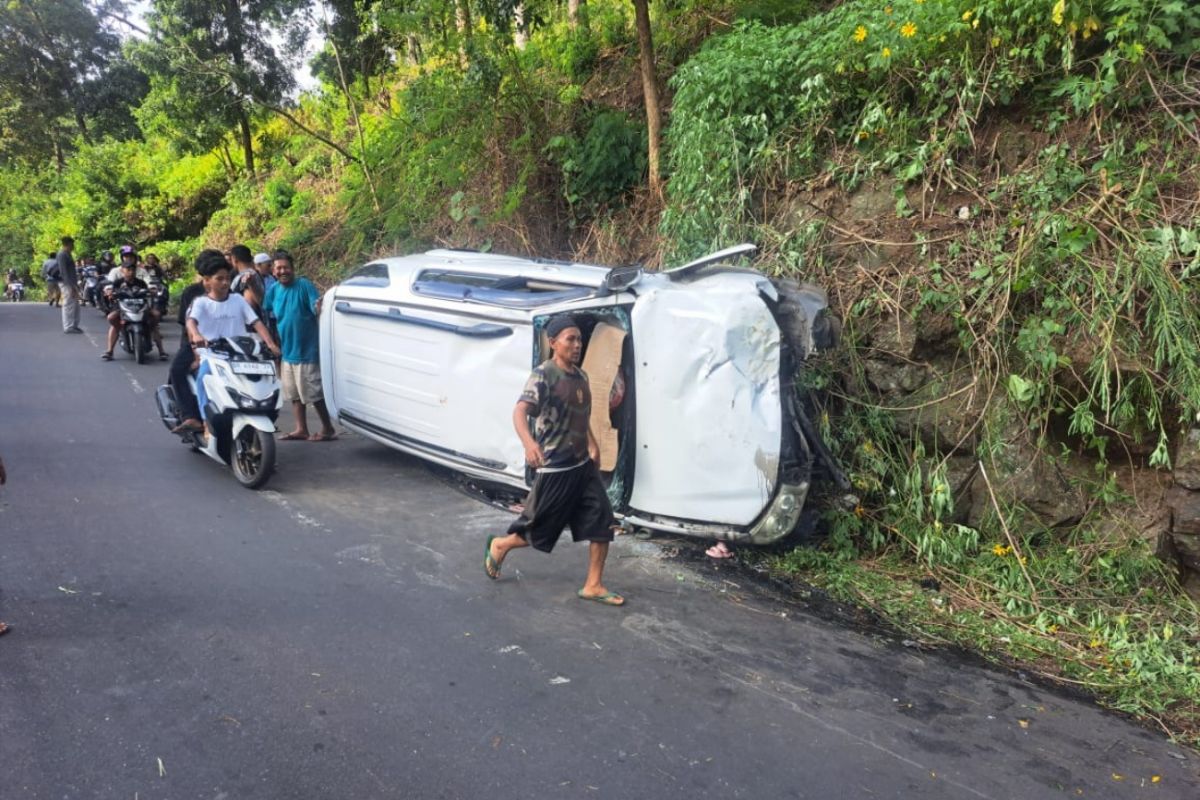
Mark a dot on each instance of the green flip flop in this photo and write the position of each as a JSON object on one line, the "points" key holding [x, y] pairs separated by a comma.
{"points": [[606, 599], [490, 565]]}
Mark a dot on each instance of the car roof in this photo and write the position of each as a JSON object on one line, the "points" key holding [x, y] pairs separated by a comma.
{"points": [[404, 267]]}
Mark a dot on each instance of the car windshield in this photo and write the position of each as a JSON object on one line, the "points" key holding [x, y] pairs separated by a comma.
{"points": [[512, 291]]}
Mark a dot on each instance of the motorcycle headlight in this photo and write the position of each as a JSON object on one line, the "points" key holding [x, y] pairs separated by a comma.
{"points": [[251, 404]]}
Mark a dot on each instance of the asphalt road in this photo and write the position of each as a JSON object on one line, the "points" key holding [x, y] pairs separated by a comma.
{"points": [[334, 636]]}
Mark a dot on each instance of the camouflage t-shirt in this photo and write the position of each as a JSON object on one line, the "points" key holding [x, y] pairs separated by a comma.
{"points": [[562, 406]]}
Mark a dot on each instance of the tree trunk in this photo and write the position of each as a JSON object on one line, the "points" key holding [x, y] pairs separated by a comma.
{"points": [[412, 50], [233, 24], [247, 137], [462, 23], [577, 14], [227, 160], [520, 30], [81, 123], [462, 17], [641, 12]]}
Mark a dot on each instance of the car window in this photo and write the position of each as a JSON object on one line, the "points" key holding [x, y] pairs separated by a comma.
{"points": [[512, 291], [371, 275]]}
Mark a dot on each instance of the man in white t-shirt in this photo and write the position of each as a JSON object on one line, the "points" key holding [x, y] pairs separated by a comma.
{"points": [[217, 315]]}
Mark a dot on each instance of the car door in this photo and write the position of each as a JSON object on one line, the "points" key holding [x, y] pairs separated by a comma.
{"points": [[708, 411]]}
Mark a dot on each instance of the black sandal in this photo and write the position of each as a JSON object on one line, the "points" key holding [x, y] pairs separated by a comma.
{"points": [[107, 356]]}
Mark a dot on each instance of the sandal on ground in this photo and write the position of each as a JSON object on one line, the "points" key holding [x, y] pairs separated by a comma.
{"points": [[108, 356], [322, 437], [163, 356], [294, 437], [490, 565], [719, 550], [606, 599]]}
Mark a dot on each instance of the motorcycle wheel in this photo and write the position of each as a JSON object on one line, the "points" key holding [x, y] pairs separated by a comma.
{"points": [[139, 350], [253, 457]]}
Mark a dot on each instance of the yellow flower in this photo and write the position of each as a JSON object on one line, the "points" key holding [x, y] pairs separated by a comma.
{"points": [[1052, 629], [868, 446], [995, 41], [908, 30], [860, 33], [1057, 12], [1023, 560], [975, 23], [1000, 550], [863, 135], [887, 52], [887, 9], [967, 15], [1155, 778], [918, 2], [1094, 643], [859, 512]]}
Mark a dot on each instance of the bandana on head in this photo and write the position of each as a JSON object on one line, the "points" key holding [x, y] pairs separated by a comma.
{"points": [[559, 324]]}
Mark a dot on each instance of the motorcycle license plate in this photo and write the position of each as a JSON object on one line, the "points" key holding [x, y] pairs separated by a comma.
{"points": [[253, 368]]}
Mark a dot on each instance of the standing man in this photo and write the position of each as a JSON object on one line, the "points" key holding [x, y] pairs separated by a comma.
{"points": [[69, 287], [51, 277], [295, 304], [568, 489], [264, 265], [246, 280]]}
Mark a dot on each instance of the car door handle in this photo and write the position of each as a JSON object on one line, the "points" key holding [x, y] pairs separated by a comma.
{"points": [[482, 330]]}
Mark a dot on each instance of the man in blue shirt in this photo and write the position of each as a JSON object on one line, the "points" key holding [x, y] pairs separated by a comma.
{"points": [[295, 304]]}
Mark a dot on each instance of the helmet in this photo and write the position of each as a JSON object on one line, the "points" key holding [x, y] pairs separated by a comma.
{"points": [[127, 250], [106, 255]]}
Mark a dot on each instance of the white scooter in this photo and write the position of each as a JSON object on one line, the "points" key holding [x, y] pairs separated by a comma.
{"points": [[243, 404]]}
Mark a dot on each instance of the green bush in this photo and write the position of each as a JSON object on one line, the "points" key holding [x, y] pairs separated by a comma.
{"points": [[608, 161]]}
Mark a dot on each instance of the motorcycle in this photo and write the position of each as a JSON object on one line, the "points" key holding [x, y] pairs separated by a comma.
{"points": [[90, 281], [243, 403], [15, 291], [158, 295], [135, 333]]}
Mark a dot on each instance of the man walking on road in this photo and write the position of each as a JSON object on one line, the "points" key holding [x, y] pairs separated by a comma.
{"points": [[69, 287], [295, 303], [568, 489]]}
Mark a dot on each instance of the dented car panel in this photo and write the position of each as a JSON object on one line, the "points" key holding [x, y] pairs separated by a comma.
{"points": [[709, 418], [428, 354]]}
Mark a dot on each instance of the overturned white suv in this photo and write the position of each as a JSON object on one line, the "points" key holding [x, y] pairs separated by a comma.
{"points": [[703, 433]]}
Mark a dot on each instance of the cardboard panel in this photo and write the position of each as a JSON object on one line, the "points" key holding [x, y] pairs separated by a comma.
{"points": [[601, 363]]}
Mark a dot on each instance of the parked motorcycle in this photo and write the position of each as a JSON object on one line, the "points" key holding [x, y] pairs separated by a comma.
{"points": [[15, 291], [135, 333], [243, 403]]}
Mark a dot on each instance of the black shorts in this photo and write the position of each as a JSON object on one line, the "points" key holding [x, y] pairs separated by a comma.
{"points": [[575, 497]]}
